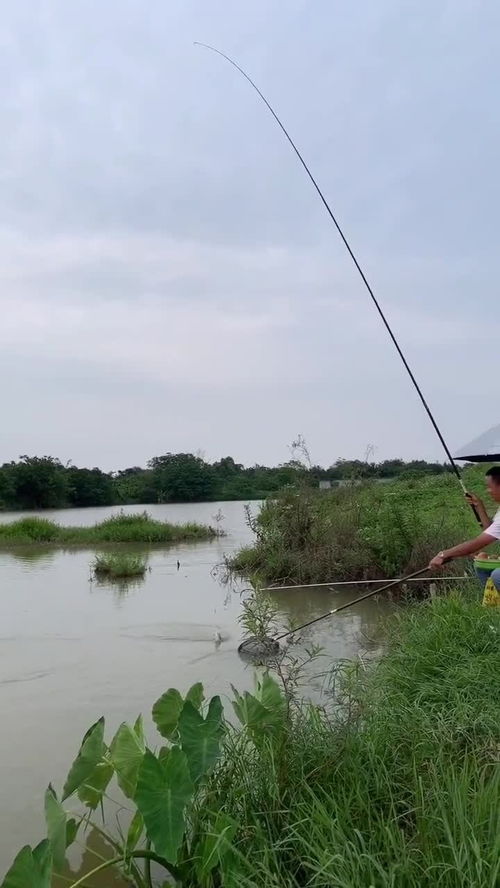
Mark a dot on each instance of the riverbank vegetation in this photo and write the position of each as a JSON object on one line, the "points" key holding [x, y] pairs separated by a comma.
{"points": [[119, 566], [45, 483], [121, 528], [394, 783], [358, 532]]}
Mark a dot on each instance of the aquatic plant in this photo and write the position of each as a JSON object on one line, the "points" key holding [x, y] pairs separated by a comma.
{"points": [[119, 566]]}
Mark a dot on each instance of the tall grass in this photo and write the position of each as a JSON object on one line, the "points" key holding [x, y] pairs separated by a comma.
{"points": [[400, 791], [121, 528], [355, 532]]}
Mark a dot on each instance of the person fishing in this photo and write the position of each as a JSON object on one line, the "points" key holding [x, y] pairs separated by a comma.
{"points": [[490, 534]]}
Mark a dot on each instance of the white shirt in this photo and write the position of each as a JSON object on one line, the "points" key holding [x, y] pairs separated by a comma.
{"points": [[494, 529]]}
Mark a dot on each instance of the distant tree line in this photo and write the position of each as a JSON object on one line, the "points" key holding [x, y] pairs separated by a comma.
{"points": [[43, 482]]}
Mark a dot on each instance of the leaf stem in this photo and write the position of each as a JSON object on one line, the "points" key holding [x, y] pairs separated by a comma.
{"points": [[136, 855]]}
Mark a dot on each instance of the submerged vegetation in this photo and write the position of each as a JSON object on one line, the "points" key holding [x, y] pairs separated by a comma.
{"points": [[356, 532], [397, 786], [119, 566], [45, 483], [121, 528]]}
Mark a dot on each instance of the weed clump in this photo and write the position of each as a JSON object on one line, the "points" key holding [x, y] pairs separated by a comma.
{"points": [[120, 566]]}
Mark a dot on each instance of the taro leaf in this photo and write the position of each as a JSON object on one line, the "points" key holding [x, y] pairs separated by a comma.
{"points": [[42, 858], [31, 868], [216, 845], [139, 730], [250, 711], [162, 794], [90, 754], [55, 818], [166, 712], [163, 753], [127, 751], [91, 792], [269, 694], [135, 832], [215, 715], [72, 827], [200, 741], [195, 695]]}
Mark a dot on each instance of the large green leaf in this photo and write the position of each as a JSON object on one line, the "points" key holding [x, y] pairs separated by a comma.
{"points": [[195, 695], [126, 752], [42, 858], [200, 741], [72, 827], [166, 712], [55, 818], [162, 794], [215, 715], [270, 695], [91, 792], [135, 832], [31, 868], [251, 711], [90, 754], [139, 730]]}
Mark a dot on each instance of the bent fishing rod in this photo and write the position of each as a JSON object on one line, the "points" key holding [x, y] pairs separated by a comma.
{"points": [[273, 642], [370, 594], [374, 299]]}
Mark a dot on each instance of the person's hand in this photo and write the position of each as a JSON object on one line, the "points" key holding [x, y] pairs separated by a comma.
{"points": [[474, 500], [438, 561]]}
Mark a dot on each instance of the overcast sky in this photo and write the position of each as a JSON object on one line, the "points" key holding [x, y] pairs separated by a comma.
{"points": [[168, 278]]}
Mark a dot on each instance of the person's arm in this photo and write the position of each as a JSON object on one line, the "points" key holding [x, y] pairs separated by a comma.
{"points": [[463, 549], [480, 508]]}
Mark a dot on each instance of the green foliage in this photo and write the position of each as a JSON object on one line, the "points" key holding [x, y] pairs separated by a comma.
{"points": [[163, 790], [370, 530], [396, 784], [89, 755], [121, 528], [32, 868], [126, 754], [45, 483], [119, 566]]}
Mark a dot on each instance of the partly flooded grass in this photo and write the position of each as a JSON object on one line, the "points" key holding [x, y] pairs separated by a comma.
{"points": [[138, 528], [119, 566]]}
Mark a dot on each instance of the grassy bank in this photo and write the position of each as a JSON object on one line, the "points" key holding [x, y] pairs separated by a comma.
{"points": [[404, 791], [121, 528], [357, 532], [396, 788]]}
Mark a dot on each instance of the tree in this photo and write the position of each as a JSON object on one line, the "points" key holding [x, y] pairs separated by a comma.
{"points": [[39, 482], [182, 477]]}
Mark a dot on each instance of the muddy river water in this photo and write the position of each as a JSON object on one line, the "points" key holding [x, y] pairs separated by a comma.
{"points": [[72, 650]]}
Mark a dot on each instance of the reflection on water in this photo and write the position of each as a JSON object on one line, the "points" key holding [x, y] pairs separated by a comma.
{"points": [[95, 851], [72, 650]]}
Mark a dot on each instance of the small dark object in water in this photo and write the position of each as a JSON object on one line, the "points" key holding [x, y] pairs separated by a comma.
{"points": [[178, 565], [258, 647]]}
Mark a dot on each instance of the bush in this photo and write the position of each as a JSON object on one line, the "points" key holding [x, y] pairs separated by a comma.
{"points": [[356, 532]]}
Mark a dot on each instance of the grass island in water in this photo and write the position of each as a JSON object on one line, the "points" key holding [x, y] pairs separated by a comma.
{"points": [[121, 528]]}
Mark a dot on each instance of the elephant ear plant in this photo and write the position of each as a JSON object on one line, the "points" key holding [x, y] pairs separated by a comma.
{"points": [[171, 824]]}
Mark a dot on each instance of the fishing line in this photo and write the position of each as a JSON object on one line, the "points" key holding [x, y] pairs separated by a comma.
{"points": [[356, 263], [255, 646]]}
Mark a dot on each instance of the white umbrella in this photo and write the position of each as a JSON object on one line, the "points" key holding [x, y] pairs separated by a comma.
{"points": [[485, 448]]}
